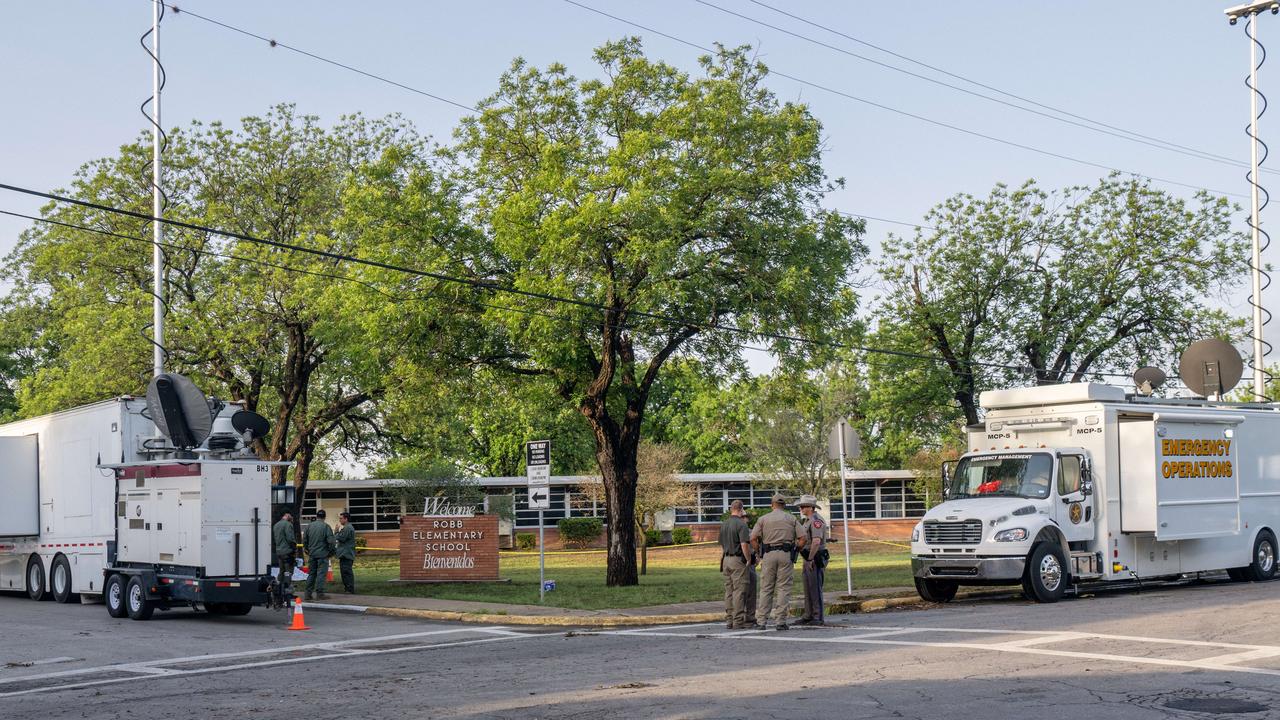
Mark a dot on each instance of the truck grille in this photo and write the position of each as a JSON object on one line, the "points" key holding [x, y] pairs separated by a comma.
{"points": [[967, 532]]}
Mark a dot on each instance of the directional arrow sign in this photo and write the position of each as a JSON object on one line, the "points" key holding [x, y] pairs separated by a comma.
{"points": [[539, 498]]}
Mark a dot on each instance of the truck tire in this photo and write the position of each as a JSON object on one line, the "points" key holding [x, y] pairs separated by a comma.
{"points": [[1046, 572], [36, 587], [60, 580], [236, 608], [1263, 566], [140, 608], [938, 591], [113, 596]]}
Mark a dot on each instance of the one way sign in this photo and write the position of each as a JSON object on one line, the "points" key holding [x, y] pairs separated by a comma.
{"points": [[538, 465]]}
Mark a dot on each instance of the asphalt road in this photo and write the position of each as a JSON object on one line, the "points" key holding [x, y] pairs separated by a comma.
{"points": [[1186, 652]]}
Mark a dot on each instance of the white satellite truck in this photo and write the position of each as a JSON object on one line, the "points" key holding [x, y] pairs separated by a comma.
{"points": [[1070, 485], [96, 503]]}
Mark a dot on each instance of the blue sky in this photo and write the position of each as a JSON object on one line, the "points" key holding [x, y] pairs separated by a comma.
{"points": [[74, 74]]}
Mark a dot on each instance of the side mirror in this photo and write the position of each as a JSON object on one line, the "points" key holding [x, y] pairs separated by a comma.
{"points": [[946, 478]]}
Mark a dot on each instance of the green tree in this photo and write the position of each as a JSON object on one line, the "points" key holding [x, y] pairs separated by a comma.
{"points": [[703, 412], [312, 343], [667, 205], [788, 438], [1066, 284]]}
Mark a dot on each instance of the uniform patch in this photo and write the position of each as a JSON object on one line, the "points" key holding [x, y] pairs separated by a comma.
{"points": [[817, 523]]}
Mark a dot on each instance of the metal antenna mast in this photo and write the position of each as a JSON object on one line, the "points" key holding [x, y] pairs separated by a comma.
{"points": [[157, 204], [1251, 11]]}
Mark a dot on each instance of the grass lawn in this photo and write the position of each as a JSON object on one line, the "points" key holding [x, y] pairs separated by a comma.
{"points": [[676, 574]]}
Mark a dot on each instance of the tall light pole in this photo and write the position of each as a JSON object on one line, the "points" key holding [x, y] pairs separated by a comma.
{"points": [[1250, 11]]}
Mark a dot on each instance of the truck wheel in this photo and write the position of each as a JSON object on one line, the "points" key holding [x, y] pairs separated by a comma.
{"points": [[36, 589], [236, 608], [1263, 566], [60, 580], [939, 591], [113, 596], [140, 608], [1047, 572], [215, 608]]}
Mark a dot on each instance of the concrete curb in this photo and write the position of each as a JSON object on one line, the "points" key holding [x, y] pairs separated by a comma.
{"points": [[852, 606]]}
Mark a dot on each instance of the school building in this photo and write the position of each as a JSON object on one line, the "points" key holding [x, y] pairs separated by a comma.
{"points": [[882, 506]]}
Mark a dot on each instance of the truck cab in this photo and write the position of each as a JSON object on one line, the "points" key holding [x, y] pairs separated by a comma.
{"points": [[1011, 515]]}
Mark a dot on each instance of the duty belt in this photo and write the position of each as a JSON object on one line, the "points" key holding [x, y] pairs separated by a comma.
{"points": [[734, 554], [788, 547]]}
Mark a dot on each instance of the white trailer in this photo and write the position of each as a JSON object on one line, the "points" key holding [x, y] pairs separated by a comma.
{"points": [[96, 504], [1080, 483]]}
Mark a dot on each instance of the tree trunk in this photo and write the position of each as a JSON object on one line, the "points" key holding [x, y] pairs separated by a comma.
{"points": [[302, 473], [617, 465]]}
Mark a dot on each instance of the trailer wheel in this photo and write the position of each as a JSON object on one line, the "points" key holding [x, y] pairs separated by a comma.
{"points": [[939, 591], [113, 596], [1263, 566], [1047, 572], [36, 588], [60, 580], [236, 608], [140, 608]]}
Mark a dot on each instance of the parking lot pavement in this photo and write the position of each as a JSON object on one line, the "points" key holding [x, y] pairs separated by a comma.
{"points": [[1186, 652]]}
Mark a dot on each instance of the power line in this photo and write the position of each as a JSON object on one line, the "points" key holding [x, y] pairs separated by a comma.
{"points": [[418, 91], [1136, 136], [905, 113], [496, 287]]}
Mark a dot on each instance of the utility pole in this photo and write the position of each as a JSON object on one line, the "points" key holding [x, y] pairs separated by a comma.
{"points": [[157, 200], [1251, 12]]}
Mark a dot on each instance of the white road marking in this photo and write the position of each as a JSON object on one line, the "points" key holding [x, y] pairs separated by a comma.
{"points": [[1031, 645], [151, 669]]}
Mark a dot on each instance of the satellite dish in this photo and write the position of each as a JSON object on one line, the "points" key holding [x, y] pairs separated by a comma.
{"points": [[1147, 379], [179, 410], [1210, 367], [251, 424]]}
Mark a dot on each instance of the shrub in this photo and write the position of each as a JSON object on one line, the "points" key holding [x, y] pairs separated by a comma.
{"points": [[652, 538], [580, 532], [682, 536], [526, 541]]}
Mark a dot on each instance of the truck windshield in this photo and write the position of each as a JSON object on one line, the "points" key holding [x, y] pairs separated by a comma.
{"points": [[1020, 475]]}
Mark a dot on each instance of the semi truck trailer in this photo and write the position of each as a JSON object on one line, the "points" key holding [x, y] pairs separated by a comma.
{"points": [[1067, 486], [143, 504]]}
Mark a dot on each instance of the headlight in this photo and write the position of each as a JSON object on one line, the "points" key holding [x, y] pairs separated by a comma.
{"points": [[915, 534], [1011, 535]]}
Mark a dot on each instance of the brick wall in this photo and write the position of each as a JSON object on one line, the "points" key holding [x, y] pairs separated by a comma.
{"points": [[452, 548]]}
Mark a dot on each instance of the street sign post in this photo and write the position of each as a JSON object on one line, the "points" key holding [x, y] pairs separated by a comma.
{"points": [[537, 462], [844, 443]]}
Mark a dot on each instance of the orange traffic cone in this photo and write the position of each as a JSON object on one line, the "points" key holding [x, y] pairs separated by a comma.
{"points": [[328, 576], [299, 622]]}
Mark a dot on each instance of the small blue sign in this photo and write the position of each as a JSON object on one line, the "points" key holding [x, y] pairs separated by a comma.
{"points": [[548, 585]]}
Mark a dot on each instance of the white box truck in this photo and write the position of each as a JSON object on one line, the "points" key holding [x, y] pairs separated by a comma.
{"points": [[96, 503], [1081, 483]]}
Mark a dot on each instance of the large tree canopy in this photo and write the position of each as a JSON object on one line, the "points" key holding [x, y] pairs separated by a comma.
{"points": [[667, 205], [313, 343], [1065, 284]]}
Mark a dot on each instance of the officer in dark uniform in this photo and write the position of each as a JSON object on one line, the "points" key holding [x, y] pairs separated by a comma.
{"points": [[735, 544], [345, 537], [320, 544], [814, 530], [284, 543]]}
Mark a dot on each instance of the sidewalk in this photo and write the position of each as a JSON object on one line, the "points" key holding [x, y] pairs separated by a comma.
{"points": [[504, 614]]}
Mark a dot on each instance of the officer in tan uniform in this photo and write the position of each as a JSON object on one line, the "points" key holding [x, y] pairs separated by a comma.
{"points": [[735, 544], [815, 530], [776, 537]]}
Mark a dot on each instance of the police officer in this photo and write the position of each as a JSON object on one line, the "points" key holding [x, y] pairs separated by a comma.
{"points": [[284, 543], [346, 539], [735, 543], [319, 542], [775, 536], [815, 529]]}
